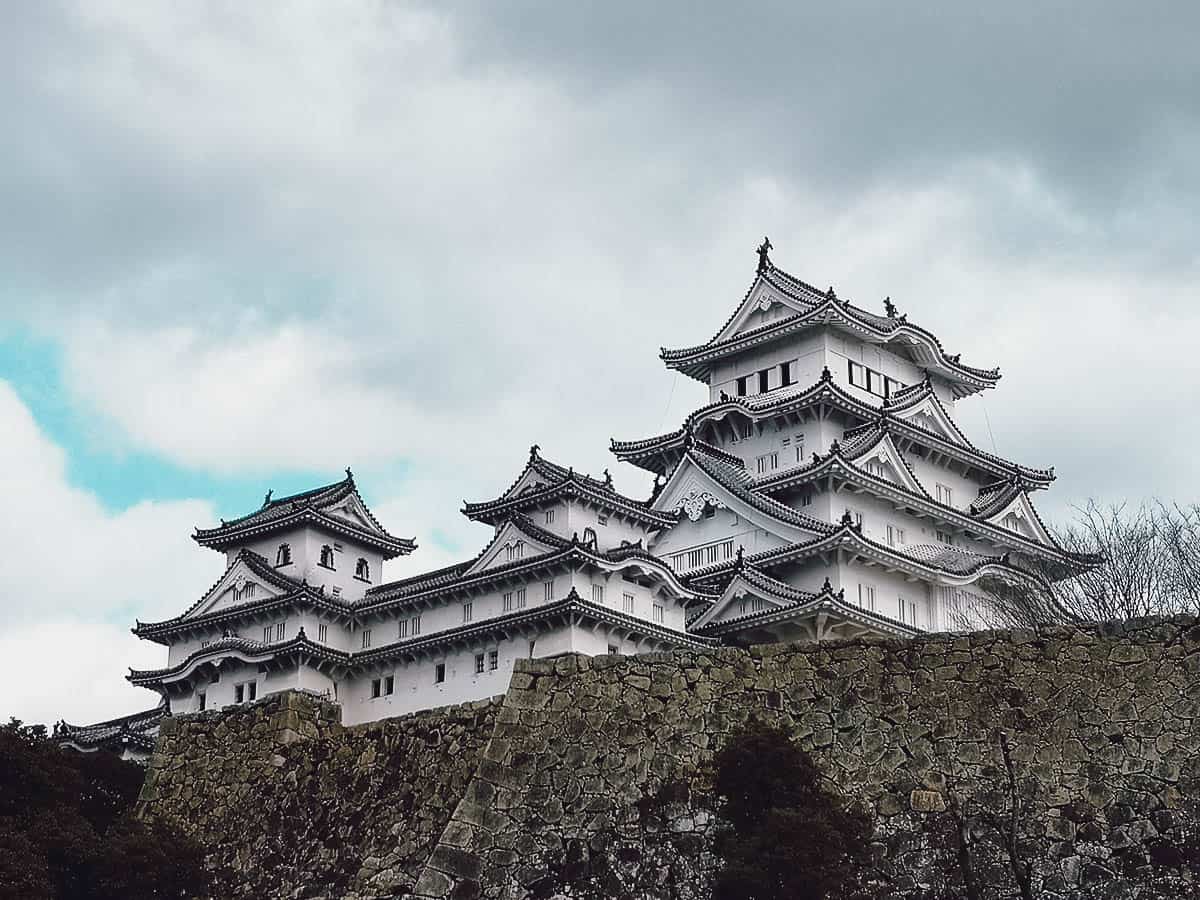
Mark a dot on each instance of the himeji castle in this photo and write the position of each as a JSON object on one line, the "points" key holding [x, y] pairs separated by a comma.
{"points": [[824, 491]]}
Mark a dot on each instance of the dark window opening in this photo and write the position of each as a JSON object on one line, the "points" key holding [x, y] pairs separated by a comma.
{"points": [[327, 557], [389, 684], [439, 673], [741, 386], [362, 570], [785, 374], [283, 556], [764, 381], [375, 688]]}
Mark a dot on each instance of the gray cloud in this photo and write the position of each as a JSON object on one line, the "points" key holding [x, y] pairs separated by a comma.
{"points": [[495, 214]]}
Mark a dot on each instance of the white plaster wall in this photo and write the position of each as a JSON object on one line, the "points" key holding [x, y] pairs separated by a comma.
{"points": [[608, 536], [724, 525], [963, 490], [306, 546], [806, 352], [890, 587]]}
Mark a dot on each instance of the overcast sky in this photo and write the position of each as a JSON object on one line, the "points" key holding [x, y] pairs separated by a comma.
{"points": [[243, 246]]}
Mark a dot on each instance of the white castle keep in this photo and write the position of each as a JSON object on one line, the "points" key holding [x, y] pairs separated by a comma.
{"points": [[824, 491]]}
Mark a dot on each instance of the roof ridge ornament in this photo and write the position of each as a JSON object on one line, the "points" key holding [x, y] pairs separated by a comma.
{"points": [[889, 307], [349, 474], [266, 502], [741, 557], [826, 375], [831, 294], [827, 587], [608, 482], [764, 260], [533, 452]]}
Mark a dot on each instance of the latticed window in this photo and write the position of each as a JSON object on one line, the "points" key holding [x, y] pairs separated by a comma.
{"points": [[362, 569], [327, 556], [283, 556]]}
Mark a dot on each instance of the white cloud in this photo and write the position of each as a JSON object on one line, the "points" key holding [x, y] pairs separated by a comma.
{"points": [[73, 670]]}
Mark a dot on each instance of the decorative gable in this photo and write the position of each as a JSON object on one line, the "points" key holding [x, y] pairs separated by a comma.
{"points": [[351, 509], [1020, 517], [240, 584], [884, 461], [510, 545], [763, 305], [931, 416]]}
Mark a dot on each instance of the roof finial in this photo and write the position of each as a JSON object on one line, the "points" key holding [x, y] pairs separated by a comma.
{"points": [[764, 262], [266, 500], [741, 555], [349, 474], [889, 307], [835, 447], [826, 375], [827, 586], [831, 294], [689, 437], [847, 519], [533, 452], [607, 478]]}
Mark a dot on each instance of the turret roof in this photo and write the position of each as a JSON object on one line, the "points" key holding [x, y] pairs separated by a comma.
{"points": [[661, 453], [134, 730], [815, 307], [311, 506], [561, 481]]}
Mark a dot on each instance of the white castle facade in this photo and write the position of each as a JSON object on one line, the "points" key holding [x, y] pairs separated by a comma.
{"points": [[824, 491]]}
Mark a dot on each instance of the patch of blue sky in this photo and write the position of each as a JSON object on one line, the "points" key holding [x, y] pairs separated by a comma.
{"points": [[101, 461]]}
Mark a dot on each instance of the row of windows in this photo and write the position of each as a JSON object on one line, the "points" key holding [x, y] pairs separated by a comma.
{"points": [[906, 609], [406, 628], [484, 662], [870, 380], [273, 632], [762, 379], [702, 556], [362, 568]]}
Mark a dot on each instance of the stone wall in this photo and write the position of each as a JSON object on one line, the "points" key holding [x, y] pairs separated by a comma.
{"points": [[591, 778], [595, 781], [291, 804]]}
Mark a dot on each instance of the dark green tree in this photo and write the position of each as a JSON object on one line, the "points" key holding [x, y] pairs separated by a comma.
{"points": [[67, 831], [788, 836]]}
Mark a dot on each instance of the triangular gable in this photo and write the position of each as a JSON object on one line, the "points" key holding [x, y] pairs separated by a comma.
{"points": [[729, 604], [930, 415], [240, 584], [530, 480], [1019, 516], [351, 509], [690, 490], [764, 303], [510, 544], [883, 460]]}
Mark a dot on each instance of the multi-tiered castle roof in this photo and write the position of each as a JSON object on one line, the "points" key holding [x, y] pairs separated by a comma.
{"points": [[824, 489]]}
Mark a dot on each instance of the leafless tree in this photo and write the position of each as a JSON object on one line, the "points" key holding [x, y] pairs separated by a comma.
{"points": [[1151, 566]]}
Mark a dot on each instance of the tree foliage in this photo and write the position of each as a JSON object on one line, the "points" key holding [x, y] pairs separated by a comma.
{"points": [[787, 836], [67, 828], [1151, 567]]}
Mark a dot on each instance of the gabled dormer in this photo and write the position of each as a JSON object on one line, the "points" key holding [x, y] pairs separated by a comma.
{"points": [[326, 536]]}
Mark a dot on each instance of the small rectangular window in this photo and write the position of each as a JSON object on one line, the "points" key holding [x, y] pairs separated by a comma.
{"points": [[944, 495], [612, 649], [375, 688], [799, 445], [627, 603], [548, 590], [549, 517], [267, 634], [402, 631], [439, 673], [468, 607], [253, 689], [323, 633], [478, 663], [279, 631], [493, 660], [806, 498], [598, 594], [785, 374], [366, 638], [520, 598], [239, 693], [741, 386], [659, 612], [507, 604], [389, 684], [416, 625], [764, 381], [201, 700]]}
